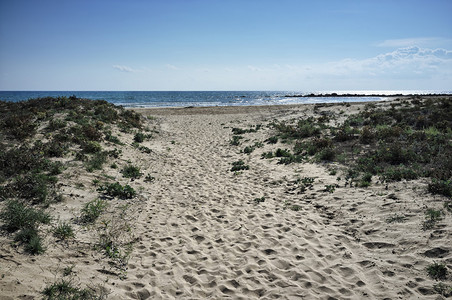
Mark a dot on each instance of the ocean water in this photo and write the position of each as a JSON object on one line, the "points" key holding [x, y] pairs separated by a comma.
{"points": [[205, 98]]}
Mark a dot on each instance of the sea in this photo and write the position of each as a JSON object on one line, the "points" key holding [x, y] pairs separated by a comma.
{"points": [[212, 98]]}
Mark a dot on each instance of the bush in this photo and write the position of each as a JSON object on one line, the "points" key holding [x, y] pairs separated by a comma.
{"points": [[239, 166], [437, 271], [96, 162], [92, 210], [441, 187], [63, 231], [15, 215], [117, 190], [131, 171], [64, 289]]}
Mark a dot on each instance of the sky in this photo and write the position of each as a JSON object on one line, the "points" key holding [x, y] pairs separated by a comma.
{"points": [[184, 45]]}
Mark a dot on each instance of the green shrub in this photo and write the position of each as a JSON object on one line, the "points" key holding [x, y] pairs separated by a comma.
{"points": [[235, 140], [441, 187], [239, 166], [272, 140], [63, 231], [65, 290], [96, 162], [437, 271], [92, 210], [131, 171], [139, 137], [117, 190], [91, 147], [15, 215]]}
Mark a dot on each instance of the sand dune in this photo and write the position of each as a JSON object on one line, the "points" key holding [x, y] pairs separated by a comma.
{"points": [[202, 235]]}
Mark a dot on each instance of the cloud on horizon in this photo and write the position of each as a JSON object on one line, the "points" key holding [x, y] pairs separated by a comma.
{"points": [[125, 69]]}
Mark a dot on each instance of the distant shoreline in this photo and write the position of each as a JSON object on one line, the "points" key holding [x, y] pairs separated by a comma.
{"points": [[334, 95]]}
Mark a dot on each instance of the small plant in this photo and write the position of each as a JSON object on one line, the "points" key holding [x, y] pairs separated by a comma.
{"points": [[64, 289], [149, 178], [131, 171], [117, 190], [139, 137], [235, 140], [91, 147], [437, 271], [68, 270], [396, 219], [96, 162], [239, 166], [16, 215], [443, 289], [248, 149], [295, 207], [365, 180], [63, 231], [259, 200], [432, 216], [92, 210], [330, 188], [267, 155], [272, 140]]}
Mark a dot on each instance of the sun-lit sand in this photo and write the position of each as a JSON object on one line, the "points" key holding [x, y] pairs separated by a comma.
{"points": [[199, 232]]}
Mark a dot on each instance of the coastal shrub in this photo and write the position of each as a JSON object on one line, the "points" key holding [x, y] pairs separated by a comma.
{"points": [[396, 219], [239, 166], [235, 140], [65, 289], [131, 171], [272, 140], [441, 187], [248, 149], [259, 200], [96, 162], [34, 187], [16, 215], [139, 137], [267, 155], [91, 147], [92, 210], [117, 190], [437, 271], [63, 231], [432, 216]]}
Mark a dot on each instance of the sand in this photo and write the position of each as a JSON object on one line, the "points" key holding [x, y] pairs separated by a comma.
{"points": [[199, 233]]}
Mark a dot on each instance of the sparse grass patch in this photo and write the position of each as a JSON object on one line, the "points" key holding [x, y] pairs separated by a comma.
{"points": [[432, 216], [92, 210], [235, 140], [437, 271], [117, 190], [65, 290], [131, 171], [396, 219], [63, 231], [239, 166]]}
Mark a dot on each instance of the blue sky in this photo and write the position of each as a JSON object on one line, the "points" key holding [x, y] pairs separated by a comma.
{"points": [[225, 45]]}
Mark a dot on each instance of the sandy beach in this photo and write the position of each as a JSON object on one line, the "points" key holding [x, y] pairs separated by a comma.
{"points": [[200, 231]]}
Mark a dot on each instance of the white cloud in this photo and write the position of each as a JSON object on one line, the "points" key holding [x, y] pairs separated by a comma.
{"points": [[420, 41], [408, 61], [254, 68], [123, 68], [172, 67]]}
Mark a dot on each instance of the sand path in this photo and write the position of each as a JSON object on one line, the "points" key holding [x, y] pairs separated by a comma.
{"points": [[203, 236]]}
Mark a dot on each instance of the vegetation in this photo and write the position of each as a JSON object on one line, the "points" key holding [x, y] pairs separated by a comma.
{"points": [[239, 166], [29, 167], [402, 143], [117, 190]]}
